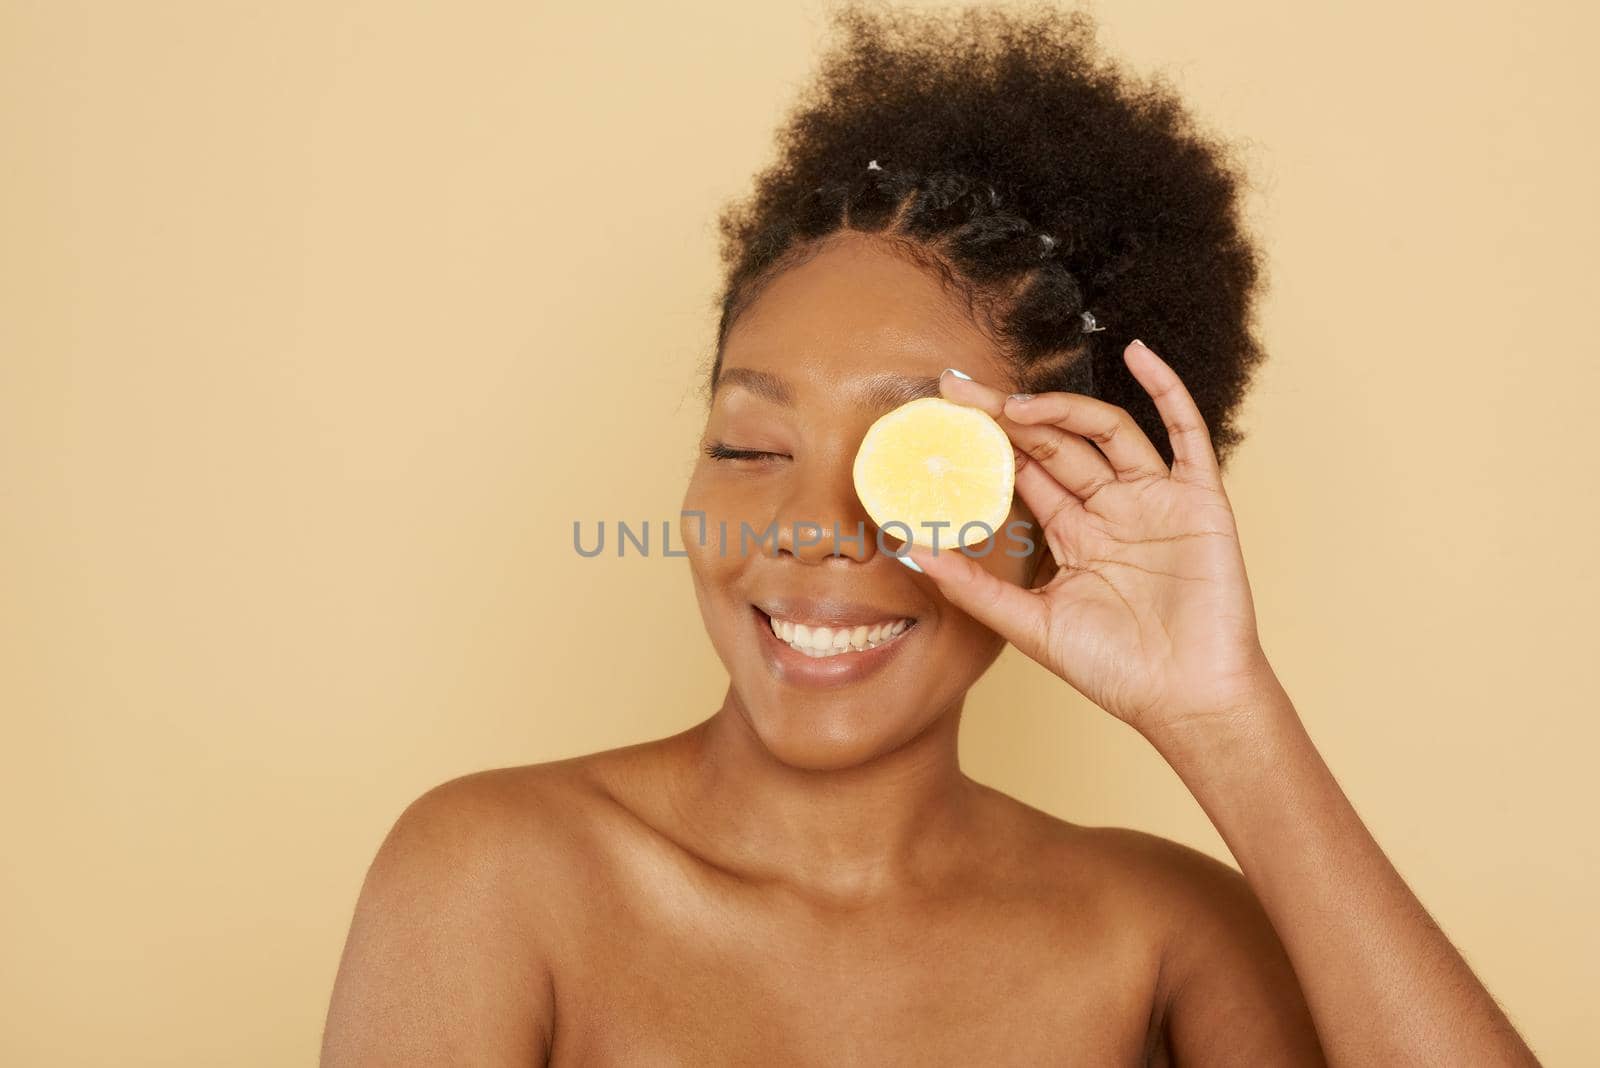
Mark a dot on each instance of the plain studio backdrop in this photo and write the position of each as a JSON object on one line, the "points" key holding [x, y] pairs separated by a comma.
{"points": [[321, 324]]}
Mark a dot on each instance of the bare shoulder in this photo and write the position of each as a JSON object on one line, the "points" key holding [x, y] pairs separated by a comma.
{"points": [[530, 823], [1175, 881], [448, 955], [1170, 889], [1140, 868], [1224, 989], [499, 815], [1226, 984]]}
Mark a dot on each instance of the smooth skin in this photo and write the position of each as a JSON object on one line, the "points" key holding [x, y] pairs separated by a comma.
{"points": [[807, 877]]}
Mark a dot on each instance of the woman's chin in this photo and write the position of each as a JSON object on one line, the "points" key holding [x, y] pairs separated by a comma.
{"points": [[831, 739]]}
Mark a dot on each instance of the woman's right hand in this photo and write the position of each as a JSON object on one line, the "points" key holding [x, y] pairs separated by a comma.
{"points": [[1148, 613]]}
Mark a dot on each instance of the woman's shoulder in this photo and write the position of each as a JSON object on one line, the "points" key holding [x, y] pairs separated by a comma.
{"points": [[512, 811], [1170, 885], [565, 818], [480, 860], [572, 803]]}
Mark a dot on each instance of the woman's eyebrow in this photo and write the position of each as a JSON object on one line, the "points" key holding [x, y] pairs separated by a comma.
{"points": [[761, 383], [891, 390], [881, 391]]}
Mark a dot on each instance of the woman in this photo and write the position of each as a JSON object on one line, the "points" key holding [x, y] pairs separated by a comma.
{"points": [[976, 207]]}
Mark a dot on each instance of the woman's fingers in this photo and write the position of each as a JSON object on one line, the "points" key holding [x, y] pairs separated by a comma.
{"points": [[1193, 458], [1020, 616], [956, 386], [1125, 446], [1069, 459]]}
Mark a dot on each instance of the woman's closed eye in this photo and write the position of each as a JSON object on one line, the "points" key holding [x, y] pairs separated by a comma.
{"points": [[718, 450]]}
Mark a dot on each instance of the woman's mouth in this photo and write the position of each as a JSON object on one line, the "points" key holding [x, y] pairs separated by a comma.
{"points": [[820, 642], [828, 643]]}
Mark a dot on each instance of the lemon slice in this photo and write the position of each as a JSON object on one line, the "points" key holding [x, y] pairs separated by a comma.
{"points": [[934, 461]]}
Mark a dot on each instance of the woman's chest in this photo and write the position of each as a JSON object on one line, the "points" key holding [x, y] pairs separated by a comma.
{"points": [[1012, 985]]}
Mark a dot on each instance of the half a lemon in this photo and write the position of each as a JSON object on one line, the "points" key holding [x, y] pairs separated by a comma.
{"points": [[932, 462]]}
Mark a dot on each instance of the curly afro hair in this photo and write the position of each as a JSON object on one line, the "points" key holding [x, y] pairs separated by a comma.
{"points": [[1000, 150]]}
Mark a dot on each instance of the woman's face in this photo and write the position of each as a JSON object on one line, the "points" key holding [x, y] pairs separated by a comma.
{"points": [[829, 346]]}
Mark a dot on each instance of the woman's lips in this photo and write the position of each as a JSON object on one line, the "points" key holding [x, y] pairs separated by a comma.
{"points": [[819, 640], [850, 653]]}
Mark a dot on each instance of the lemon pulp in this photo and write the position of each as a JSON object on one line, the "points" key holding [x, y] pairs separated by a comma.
{"points": [[931, 462]]}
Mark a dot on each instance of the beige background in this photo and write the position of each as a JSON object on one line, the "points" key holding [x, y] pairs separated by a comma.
{"points": [[320, 323]]}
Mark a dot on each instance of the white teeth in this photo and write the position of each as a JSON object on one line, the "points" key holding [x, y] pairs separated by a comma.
{"points": [[832, 641]]}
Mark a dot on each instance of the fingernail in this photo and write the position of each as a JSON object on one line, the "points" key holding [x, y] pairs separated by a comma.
{"points": [[958, 374], [1021, 398], [912, 564], [1142, 345]]}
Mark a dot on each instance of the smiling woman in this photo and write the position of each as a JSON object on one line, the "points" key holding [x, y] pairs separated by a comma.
{"points": [[807, 876], [829, 330]]}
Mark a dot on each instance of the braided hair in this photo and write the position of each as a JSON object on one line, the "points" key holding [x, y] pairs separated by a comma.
{"points": [[1068, 206]]}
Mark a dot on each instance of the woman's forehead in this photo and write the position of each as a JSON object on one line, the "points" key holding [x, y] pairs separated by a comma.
{"points": [[857, 310]]}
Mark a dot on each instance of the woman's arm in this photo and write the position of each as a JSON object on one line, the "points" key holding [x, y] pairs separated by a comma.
{"points": [[1147, 612]]}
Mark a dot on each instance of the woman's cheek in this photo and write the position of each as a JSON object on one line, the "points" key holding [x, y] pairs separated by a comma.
{"points": [[723, 520]]}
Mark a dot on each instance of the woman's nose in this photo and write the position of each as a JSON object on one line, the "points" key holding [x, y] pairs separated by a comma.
{"points": [[824, 519]]}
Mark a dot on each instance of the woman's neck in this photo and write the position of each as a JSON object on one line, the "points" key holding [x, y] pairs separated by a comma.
{"points": [[850, 836]]}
